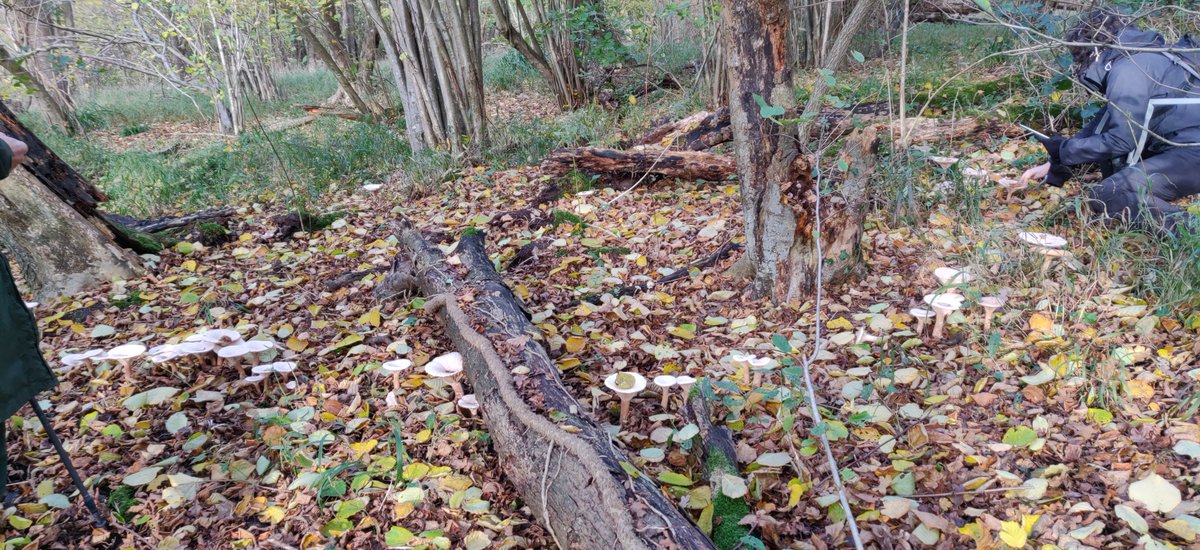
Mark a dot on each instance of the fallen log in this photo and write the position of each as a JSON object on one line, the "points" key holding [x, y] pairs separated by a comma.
{"points": [[615, 166], [697, 132], [719, 457], [172, 222], [326, 110], [561, 463]]}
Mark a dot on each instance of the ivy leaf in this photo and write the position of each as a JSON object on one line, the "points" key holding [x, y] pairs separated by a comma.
{"points": [[766, 110]]}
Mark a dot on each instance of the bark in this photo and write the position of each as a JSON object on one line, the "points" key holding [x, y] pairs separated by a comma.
{"points": [[697, 132], [60, 253], [617, 166], [573, 480]]}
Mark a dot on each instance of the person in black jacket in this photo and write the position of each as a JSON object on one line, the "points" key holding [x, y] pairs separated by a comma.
{"points": [[23, 371], [1118, 66]]}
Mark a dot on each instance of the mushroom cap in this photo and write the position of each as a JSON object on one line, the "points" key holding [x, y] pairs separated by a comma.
{"points": [[444, 366], [397, 365], [685, 380], [127, 351], [163, 353], [256, 378], [263, 369], [194, 348], [921, 313], [1052, 252], [391, 400], [639, 383], [373, 187], [239, 349], [283, 367], [944, 297], [952, 276], [31, 305], [259, 346], [74, 359], [468, 401], [1008, 182], [665, 380], [991, 302], [221, 336], [1042, 240], [760, 362], [943, 304], [740, 357]]}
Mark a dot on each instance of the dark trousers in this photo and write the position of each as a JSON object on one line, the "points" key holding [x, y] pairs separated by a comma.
{"points": [[1143, 193]]}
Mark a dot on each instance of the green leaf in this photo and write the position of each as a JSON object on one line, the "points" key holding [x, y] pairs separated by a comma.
{"points": [[337, 526], [100, 331], [767, 110], [141, 477], [986, 5], [774, 460], [685, 433], [176, 422], [858, 56], [781, 343], [398, 536], [1021, 436], [672, 478], [1099, 416]]}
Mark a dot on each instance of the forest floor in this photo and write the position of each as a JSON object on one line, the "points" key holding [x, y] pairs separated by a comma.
{"points": [[1036, 430]]}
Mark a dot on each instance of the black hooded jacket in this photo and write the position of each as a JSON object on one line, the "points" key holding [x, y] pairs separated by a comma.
{"points": [[1129, 80]]}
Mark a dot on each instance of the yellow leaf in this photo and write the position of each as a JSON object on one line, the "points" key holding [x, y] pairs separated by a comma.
{"points": [[424, 435], [797, 489], [1139, 389], [297, 345], [1013, 534], [1041, 323], [189, 265], [659, 219], [272, 515], [1027, 522], [582, 311], [839, 324], [575, 343], [641, 261], [371, 318], [363, 448]]}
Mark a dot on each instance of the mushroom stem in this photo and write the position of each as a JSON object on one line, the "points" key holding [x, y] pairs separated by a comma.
{"points": [[758, 379], [396, 381], [744, 372], [625, 399], [128, 365], [987, 318], [939, 324], [666, 394], [458, 390], [920, 326], [1046, 264]]}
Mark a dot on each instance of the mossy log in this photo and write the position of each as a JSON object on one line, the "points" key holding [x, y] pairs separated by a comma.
{"points": [[561, 462], [720, 458], [615, 165]]}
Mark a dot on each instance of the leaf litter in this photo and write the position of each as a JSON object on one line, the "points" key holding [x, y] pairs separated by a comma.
{"points": [[1071, 424]]}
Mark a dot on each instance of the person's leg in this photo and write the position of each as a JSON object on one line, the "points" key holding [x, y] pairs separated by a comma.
{"points": [[1144, 193]]}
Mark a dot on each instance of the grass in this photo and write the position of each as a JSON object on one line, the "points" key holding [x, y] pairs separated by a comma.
{"points": [[504, 69]]}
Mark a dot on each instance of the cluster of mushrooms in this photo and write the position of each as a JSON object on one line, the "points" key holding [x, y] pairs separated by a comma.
{"points": [[448, 367], [212, 346], [947, 299], [628, 384]]}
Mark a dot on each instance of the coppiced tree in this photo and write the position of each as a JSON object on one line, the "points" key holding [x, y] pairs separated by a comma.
{"points": [[29, 52], [435, 51], [539, 31]]}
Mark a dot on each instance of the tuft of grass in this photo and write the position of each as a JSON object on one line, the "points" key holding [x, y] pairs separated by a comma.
{"points": [[505, 69]]}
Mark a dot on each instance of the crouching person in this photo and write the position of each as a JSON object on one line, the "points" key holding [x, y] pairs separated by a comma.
{"points": [[1116, 67]]}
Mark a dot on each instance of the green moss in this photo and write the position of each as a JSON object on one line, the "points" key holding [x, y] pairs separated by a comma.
{"points": [[559, 217], [142, 243], [727, 512]]}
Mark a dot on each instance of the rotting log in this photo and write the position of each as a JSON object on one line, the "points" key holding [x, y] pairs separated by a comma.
{"points": [[566, 469], [173, 222], [615, 165]]}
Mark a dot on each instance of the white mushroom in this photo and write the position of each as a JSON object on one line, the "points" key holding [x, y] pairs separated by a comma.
{"points": [[162, 354], [760, 365], [625, 385], [125, 355], [469, 402], [741, 361], [31, 305], [221, 337], [234, 353], [76, 359], [951, 277], [449, 367], [262, 369], [944, 162], [990, 305], [942, 306], [1049, 246], [284, 367], [372, 187], [685, 383], [922, 316], [194, 348], [863, 336], [665, 381], [395, 367]]}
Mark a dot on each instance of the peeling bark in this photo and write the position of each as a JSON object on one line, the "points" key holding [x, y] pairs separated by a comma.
{"points": [[616, 165]]}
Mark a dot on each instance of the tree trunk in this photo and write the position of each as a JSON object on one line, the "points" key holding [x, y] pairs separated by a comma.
{"points": [[563, 464], [59, 252]]}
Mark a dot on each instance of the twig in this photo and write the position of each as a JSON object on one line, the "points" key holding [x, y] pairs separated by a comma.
{"points": [[966, 493]]}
